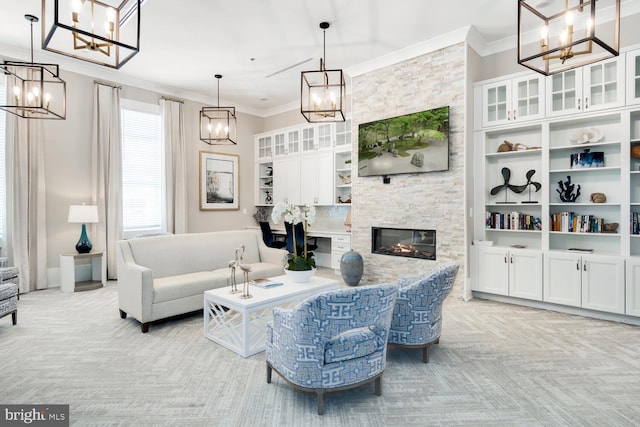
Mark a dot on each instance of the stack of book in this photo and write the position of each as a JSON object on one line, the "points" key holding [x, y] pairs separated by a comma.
{"points": [[512, 221], [573, 223]]}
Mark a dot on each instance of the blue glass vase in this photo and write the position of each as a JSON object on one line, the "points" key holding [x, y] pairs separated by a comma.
{"points": [[84, 245]]}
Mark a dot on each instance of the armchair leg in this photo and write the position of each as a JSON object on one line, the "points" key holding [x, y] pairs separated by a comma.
{"points": [[269, 370], [14, 317], [378, 386], [425, 353], [320, 394], [145, 327], [123, 315]]}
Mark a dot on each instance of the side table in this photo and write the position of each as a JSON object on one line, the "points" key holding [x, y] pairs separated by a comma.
{"points": [[68, 279]]}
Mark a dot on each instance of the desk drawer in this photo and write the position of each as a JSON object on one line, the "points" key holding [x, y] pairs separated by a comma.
{"points": [[341, 240]]}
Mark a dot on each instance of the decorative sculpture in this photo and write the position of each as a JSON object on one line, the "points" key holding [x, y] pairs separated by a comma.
{"points": [[566, 190], [232, 265], [506, 174], [268, 199], [530, 183], [246, 269]]}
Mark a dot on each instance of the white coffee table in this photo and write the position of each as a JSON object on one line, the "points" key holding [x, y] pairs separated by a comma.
{"points": [[241, 324]]}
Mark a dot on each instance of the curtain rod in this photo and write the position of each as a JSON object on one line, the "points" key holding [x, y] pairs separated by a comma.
{"points": [[102, 82], [172, 99]]}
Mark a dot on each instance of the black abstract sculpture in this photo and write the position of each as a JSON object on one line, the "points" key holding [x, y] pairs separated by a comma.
{"points": [[506, 174], [530, 183], [566, 190]]}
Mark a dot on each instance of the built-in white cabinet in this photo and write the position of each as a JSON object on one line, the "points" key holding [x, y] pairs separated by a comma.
{"points": [[317, 182], [339, 245], [508, 271], [591, 88], [297, 165], [632, 294], [594, 282], [513, 100], [633, 77]]}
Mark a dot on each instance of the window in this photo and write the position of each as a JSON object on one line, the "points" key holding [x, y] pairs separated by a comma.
{"points": [[3, 180], [142, 169]]}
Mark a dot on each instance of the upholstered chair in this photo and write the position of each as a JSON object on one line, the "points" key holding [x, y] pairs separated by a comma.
{"points": [[332, 341], [9, 301], [417, 316]]}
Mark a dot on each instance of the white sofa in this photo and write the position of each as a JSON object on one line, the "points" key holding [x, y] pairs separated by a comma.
{"points": [[163, 276]]}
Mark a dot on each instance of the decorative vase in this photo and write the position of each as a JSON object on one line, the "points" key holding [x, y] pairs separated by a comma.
{"points": [[351, 267], [300, 276]]}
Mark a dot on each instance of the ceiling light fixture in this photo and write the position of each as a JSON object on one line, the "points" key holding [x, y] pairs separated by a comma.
{"points": [[218, 125], [323, 93], [105, 32], [580, 33], [38, 90]]}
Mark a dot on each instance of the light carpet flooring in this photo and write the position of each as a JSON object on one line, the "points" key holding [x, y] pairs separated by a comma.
{"points": [[496, 365]]}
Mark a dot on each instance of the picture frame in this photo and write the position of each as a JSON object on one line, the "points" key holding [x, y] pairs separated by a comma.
{"points": [[219, 174]]}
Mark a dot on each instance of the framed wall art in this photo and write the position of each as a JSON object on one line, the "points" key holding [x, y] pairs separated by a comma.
{"points": [[219, 174]]}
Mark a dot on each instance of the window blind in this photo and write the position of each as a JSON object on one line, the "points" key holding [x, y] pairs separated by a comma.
{"points": [[142, 170]]}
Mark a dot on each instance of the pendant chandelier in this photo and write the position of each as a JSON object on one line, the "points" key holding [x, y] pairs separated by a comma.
{"points": [[556, 36], [218, 125], [323, 93], [105, 32], [35, 91]]}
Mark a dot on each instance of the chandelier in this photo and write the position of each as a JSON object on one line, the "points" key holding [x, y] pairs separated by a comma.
{"points": [[323, 92], [553, 37], [218, 125], [38, 91], [105, 32]]}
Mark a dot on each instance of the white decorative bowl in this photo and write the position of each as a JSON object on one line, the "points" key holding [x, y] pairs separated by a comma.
{"points": [[300, 276]]}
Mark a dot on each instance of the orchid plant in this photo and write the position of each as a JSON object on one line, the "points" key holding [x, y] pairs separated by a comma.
{"points": [[300, 259]]}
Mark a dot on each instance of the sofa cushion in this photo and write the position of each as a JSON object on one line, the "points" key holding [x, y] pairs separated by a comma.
{"points": [[186, 285], [351, 344]]}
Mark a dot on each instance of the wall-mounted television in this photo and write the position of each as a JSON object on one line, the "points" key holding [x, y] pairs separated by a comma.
{"points": [[413, 143]]}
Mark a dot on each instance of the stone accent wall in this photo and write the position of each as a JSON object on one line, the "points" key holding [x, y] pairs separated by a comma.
{"points": [[429, 200]]}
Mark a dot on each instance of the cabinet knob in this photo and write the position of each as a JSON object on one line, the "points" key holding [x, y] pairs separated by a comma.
{"points": [[509, 115], [511, 259], [514, 114], [586, 103], [578, 103], [505, 259], [578, 265], [584, 266]]}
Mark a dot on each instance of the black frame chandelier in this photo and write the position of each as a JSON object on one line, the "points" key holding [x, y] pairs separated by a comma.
{"points": [[323, 93], [556, 36], [104, 32], [34, 90], [218, 125]]}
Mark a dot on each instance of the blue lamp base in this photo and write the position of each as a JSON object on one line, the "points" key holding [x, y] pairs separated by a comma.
{"points": [[84, 245]]}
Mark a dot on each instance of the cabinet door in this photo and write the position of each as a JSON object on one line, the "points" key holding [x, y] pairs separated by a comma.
{"points": [[564, 93], [317, 182], [525, 274], [603, 85], [603, 283], [265, 146], [496, 108], [493, 271], [294, 179], [280, 180], [308, 138], [562, 279], [633, 287], [279, 144], [293, 141], [324, 138], [343, 133], [633, 77], [528, 98]]}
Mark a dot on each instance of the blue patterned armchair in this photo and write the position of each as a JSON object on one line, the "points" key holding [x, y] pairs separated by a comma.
{"points": [[417, 317], [332, 341]]}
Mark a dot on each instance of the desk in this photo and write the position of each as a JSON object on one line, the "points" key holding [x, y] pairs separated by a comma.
{"points": [[339, 238], [68, 278]]}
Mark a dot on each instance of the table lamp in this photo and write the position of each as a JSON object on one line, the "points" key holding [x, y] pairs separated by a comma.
{"points": [[83, 214]]}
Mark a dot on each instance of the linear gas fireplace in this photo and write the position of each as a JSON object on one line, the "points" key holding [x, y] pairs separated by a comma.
{"points": [[404, 242]]}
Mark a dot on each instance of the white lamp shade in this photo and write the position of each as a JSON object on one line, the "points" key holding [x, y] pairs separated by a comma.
{"points": [[83, 214]]}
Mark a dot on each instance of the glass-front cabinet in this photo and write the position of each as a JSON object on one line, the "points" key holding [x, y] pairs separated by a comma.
{"points": [[590, 88], [633, 77], [513, 100]]}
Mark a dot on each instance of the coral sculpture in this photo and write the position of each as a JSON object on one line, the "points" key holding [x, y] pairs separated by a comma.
{"points": [[566, 190]]}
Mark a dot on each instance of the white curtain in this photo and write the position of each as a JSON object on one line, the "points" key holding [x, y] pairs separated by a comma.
{"points": [[175, 165], [106, 167], [26, 201]]}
